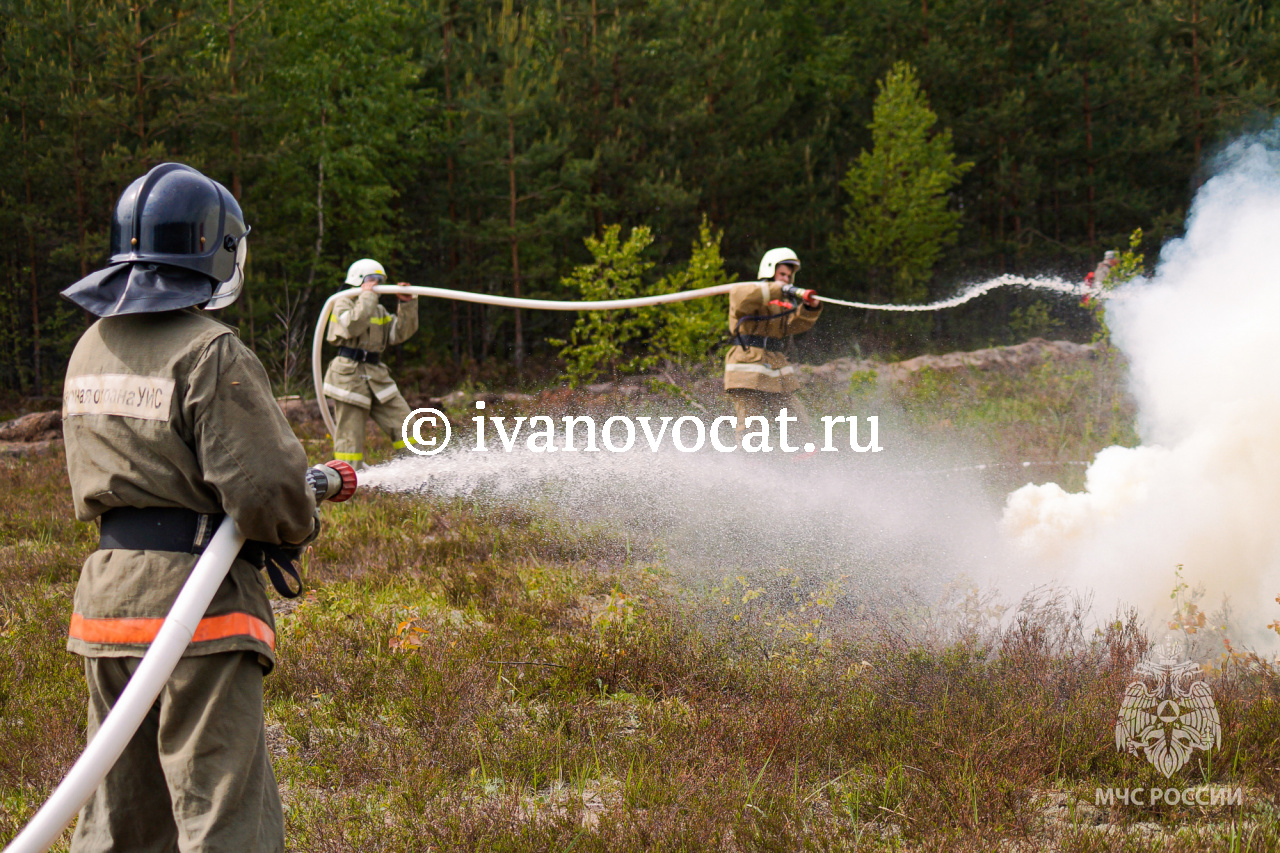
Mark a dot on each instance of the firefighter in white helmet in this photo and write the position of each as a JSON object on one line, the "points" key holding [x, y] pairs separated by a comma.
{"points": [[1109, 263], [1096, 282], [761, 316], [357, 380]]}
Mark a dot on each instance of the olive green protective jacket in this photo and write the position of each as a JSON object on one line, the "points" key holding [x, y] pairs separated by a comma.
{"points": [[172, 410], [359, 321], [755, 368]]}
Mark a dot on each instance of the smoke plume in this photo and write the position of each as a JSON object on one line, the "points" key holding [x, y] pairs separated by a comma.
{"points": [[1203, 489]]}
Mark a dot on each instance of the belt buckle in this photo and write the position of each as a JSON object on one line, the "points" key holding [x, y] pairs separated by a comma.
{"points": [[204, 534]]}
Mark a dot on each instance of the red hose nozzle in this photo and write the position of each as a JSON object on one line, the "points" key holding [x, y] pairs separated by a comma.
{"points": [[348, 475]]}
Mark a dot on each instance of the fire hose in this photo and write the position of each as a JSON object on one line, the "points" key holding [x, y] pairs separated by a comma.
{"points": [[317, 341], [335, 481]]}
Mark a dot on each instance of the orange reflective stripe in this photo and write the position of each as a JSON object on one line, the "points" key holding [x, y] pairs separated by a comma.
{"points": [[145, 630], [234, 625]]}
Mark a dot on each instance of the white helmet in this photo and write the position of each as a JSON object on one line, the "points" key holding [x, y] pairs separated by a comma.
{"points": [[361, 268], [773, 257]]}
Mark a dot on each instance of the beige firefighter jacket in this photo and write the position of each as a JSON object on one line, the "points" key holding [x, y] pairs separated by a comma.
{"points": [[1102, 273], [172, 410], [359, 321], [755, 368]]}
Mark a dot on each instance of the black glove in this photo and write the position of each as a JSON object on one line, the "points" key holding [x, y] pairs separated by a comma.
{"points": [[278, 560]]}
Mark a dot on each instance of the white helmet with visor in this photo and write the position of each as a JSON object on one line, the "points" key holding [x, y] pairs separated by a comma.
{"points": [[773, 257], [362, 269]]}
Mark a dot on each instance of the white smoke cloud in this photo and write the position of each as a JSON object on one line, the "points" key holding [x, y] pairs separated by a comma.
{"points": [[1202, 337]]}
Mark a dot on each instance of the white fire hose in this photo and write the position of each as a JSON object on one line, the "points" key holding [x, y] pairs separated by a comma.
{"points": [[147, 681], [317, 342]]}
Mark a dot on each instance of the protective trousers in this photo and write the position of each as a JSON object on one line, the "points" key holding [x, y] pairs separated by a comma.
{"points": [[197, 775], [763, 404], [390, 416]]}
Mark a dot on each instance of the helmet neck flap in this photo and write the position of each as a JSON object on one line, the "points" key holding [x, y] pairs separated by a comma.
{"points": [[177, 240]]}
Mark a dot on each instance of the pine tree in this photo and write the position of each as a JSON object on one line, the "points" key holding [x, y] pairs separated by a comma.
{"points": [[520, 149], [898, 214]]}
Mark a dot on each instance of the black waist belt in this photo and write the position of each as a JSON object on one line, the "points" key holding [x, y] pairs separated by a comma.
{"points": [[770, 344], [187, 532], [359, 355], [157, 529]]}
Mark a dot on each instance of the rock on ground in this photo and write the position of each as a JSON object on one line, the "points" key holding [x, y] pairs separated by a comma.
{"points": [[1019, 356]]}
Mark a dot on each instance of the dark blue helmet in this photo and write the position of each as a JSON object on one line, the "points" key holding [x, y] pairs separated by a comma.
{"points": [[177, 240], [176, 216]]}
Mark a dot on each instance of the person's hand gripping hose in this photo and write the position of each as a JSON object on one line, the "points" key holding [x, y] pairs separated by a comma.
{"points": [[808, 297]]}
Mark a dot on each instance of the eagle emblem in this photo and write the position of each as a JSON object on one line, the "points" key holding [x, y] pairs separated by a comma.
{"points": [[1168, 724]]}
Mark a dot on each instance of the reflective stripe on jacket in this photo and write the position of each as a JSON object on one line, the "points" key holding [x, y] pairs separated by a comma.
{"points": [[359, 321], [755, 368], [139, 631]]}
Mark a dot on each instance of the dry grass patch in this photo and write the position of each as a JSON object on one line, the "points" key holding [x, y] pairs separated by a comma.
{"points": [[465, 677]]}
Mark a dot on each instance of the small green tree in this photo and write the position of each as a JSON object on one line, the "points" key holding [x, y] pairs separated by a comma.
{"points": [[598, 341], [681, 333], [898, 220], [686, 332]]}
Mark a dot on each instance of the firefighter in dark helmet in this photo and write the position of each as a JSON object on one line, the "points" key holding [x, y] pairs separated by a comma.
{"points": [[170, 423]]}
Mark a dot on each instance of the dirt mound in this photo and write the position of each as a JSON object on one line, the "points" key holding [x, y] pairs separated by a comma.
{"points": [[1017, 357]]}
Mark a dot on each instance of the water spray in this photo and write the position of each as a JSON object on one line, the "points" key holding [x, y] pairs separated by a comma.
{"points": [[1056, 285], [317, 342], [334, 481]]}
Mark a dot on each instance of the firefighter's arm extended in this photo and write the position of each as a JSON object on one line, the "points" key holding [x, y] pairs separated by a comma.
{"points": [[351, 316], [247, 451], [810, 309], [406, 322], [751, 297]]}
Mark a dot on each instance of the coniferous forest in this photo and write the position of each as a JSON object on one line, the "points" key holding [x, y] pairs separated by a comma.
{"points": [[475, 145]]}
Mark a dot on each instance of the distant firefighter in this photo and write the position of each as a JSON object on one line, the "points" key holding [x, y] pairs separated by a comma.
{"points": [[1104, 270], [761, 316], [357, 380], [1096, 281]]}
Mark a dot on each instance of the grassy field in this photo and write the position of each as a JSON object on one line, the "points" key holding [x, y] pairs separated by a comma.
{"points": [[480, 676]]}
